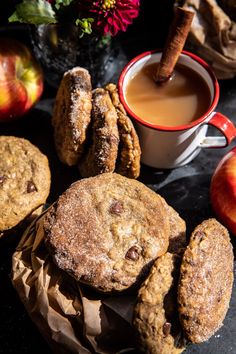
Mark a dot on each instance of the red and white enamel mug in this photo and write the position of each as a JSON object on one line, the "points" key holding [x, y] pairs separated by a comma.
{"points": [[170, 147]]}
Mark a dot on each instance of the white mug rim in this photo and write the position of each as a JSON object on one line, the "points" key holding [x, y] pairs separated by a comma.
{"points": [[190, 125]]}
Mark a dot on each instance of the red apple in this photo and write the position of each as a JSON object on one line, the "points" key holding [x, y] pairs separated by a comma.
{"points": [[223, 191], [21, 79]]}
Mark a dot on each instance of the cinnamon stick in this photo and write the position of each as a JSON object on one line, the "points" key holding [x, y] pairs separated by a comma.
{"points": [[175, 42]]}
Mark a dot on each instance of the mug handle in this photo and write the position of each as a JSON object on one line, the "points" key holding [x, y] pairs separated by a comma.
{"points": [[225, 126]]}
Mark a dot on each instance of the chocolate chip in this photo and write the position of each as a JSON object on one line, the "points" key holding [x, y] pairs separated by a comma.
{"points": [[191, 262], [219, 295], [2, 179], [111, 139], [132, 253], [166, 329], [30, 187], [199, 235], [116, 208]]}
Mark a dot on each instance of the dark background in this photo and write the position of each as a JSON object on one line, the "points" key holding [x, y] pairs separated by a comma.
{"points": [[185, 188]]}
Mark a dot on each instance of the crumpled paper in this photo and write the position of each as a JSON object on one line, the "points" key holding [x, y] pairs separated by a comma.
{"points": [[72, 318], [212, 36]]}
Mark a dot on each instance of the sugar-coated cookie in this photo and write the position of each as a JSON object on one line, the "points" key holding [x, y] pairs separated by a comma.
{"points": [[107, 230], [71, 115], [102, 149], [128, 160], [24, 180], [206, 280], [155, 314]]}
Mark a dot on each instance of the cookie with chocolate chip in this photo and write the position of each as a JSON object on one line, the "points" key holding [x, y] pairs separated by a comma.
{"points": [[24, 180], [206, 279], [71, 115], [128, 160], [102, 151], [155, 314], [106, 231]]}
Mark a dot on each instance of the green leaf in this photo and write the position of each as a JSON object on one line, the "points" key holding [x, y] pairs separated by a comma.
{"points": [[34, 11], [85, 25], [15, 18], [60, 3]]}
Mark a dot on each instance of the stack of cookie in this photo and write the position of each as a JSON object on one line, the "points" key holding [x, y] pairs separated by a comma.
{"points": [[91, 128], [114, 234], [25, 181]]}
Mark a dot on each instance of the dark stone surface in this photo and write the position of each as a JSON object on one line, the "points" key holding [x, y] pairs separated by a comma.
{"points": [[185, 188]]}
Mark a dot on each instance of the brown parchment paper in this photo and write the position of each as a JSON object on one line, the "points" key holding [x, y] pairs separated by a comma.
{"points": [[71, 317], [212, 36]]}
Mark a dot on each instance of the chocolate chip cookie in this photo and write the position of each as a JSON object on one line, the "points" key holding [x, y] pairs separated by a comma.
{"points": [[106, 231], [206, 280], [128, 160], [71, 116], [24, 180], [102, 153], [155, 314], [177, 239]]}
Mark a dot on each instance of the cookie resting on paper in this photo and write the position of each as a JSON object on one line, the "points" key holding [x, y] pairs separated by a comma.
{"points": [[106, 231]]}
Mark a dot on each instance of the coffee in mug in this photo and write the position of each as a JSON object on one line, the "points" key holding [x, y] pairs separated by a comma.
{"points": [[179, 101], [176, 144]]}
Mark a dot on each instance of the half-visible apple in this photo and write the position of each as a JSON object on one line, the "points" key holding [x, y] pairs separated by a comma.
{"points": [[21, 79], [223, 191]]}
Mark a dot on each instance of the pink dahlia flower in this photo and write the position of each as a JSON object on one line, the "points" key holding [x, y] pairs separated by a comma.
{"points": [[111, 16]]}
